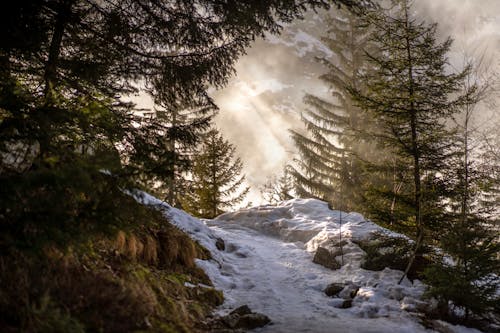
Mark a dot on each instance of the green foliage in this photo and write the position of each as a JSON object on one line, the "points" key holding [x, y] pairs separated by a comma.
{"points": [[470, 281], [393, 252], [468, 278], [217, 183], [410, 93]]}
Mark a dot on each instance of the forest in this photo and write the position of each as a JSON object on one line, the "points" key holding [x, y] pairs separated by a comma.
{"points": [[397, 138]]}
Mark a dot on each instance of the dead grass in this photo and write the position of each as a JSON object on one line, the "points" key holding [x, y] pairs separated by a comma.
{"points": [[122, 284]]}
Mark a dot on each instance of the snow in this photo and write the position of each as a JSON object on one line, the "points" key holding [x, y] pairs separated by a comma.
{"points": [[267, 265]]}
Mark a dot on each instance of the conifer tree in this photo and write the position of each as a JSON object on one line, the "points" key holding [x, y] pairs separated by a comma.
{"points": [[409, 91], [490, 168], [217, 181], [278, 189], [169, 142], [330, 152], [65, 66], [469, 235]]}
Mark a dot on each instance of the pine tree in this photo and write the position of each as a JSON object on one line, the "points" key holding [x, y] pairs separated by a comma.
{"points": [[65, 66], [490, 168], [409, 91], [471, 281], [278, 189], [331, 151], [169, 142], [217, 180]]}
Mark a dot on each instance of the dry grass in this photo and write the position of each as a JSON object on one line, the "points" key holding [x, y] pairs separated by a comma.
{"points": [[150, 250], [165, 248]]}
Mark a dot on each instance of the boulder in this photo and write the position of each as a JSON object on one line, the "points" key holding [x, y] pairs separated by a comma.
{"points": [[349, 292], [324, 258], [252, 320]]}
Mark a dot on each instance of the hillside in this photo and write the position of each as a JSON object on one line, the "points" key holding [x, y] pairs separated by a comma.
{"points": [[266, 262]]}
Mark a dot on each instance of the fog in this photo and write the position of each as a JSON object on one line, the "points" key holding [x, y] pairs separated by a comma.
{"points": [[264, 100]]}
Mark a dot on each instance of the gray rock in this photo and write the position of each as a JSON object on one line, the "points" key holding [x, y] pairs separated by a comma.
{"points": [[220, 245], [349, 292], [243, 318], [324, 258], [346, 304], [242, 310], [333, 289], [252, 320]]}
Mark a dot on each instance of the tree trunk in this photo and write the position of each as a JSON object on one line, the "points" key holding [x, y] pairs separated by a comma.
{"points": [[416, 157], [50, 74]]}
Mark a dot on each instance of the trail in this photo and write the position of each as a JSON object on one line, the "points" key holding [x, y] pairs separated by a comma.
{"points": [[267, 265], [279, 279]]}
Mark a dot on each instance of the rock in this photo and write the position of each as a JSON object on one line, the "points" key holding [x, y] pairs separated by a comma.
{"points": [[333, 289], [324, 258], [243, 318], [347, 303], [441, 326], [220, 245], [349, 292], [252, 320], [341, 243], [242, 310], [396, 293]]}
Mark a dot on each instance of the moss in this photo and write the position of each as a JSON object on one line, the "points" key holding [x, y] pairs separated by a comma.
{"points": [[211, 296], [197, 309], [178, 278]]}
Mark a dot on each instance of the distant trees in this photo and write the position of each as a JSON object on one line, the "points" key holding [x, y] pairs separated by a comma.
{"points": [[280, 188], [217, 181], [330, 152], [170, 140]]}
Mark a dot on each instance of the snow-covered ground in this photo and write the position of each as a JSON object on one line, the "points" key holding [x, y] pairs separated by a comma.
{"points": [[267, 264]]}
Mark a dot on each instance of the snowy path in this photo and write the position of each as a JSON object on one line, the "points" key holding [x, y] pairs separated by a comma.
{"points": [[280, 280], [267, 265]]}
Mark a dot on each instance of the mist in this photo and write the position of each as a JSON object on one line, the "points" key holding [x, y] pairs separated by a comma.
{"points": [[264, 100]]}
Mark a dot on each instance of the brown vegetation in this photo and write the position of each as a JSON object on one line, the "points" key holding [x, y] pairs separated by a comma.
{"points": [[132, 281]]}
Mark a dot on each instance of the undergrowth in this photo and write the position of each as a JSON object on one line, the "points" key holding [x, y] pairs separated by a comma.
{"points": [[392, 252], [132, 281]]}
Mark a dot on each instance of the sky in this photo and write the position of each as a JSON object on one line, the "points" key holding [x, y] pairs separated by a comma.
{"points": [[264, 99]]}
